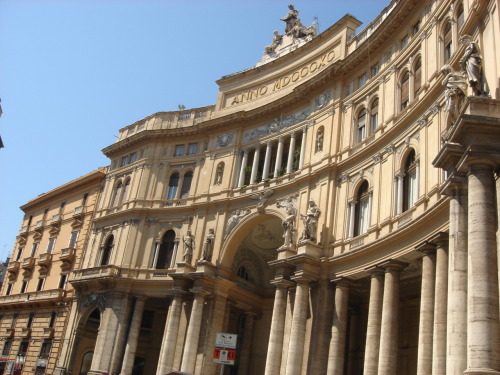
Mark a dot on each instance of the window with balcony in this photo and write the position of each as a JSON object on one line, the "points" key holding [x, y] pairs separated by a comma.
{"points": [[50, 245], [19, 253], [9, 289], [106, 251], [33, 249], [62, 280], [24, 286], [73, 239], [173, 184], [39, 285]]}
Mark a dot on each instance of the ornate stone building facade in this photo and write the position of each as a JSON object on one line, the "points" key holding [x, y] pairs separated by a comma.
{"points": [[36, 298], [336, 208]]}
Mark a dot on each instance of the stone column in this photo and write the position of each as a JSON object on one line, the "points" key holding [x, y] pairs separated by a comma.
{"points": [[193, 333], [374, 321], [456, 335], [483, 328], [291, 152], [298, 330], [388, 355], [255, 165], [169, 343], [105, 341], [339, 328], [303, 148], [275, 348], [279, 157], [267, 161], [246, 347], [440, 307], [426, 324], [133, 337], [244, 161]]}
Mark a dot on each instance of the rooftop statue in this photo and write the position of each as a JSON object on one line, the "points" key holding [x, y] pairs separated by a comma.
{"points": [[277, 39], [290, 19], [456, 90]]}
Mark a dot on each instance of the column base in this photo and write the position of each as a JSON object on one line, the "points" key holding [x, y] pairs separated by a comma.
{"points": [[481, 371], [206, 267], [309, 247]]}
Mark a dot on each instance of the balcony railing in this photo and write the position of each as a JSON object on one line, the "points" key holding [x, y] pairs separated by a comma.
{"points": [[28, 263], [114, 271], [67, 254], [78, 211], [44, 259], [13, 266], [33, 296]]}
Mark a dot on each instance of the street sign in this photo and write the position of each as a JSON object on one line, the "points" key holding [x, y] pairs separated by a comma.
{"points": [[226, 340], [224, 356]]}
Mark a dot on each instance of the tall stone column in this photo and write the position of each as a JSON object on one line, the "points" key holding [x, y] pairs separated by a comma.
{"points": [[426, 325], [244, 161], [456, 334], [374, 321], [298, 330], [193, 333], [388, 355], [483, 326], [255, 165], [133, 336], [169, 343], [291, 154], [339, 328], [440, 307], [279, 157], [303, 147], [275, 347], [246, 347], [267, 160]]}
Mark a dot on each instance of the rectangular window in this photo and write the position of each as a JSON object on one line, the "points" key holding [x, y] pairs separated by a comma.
{"points": [[132, 158], [30, 320], [404, 41], [52, 321], [50, 245], [45, 349], [33, 249], [24, 285], [9, 289], [416, 27], [73, 239], [84, 199], [6, 347], [192, 148], [124, 161], [179, 150], [39, 285], [375, 69], [23, 348], [62, 280], [19, 253], [362, 80]]}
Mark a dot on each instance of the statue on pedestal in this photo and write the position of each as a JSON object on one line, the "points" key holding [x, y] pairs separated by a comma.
{"points": [[472, 64], [188, 241], [290, 19], [456, 90], [208, 245], [310, 220]]}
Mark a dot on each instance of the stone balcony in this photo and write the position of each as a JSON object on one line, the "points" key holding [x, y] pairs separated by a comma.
{"points": [[111, 271], [45, 295], [13, 266], [28, 263], [67, 254], [44, 260]]}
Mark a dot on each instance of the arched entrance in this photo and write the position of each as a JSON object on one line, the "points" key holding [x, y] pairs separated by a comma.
{"points": [[247, 253], [88, 336]]}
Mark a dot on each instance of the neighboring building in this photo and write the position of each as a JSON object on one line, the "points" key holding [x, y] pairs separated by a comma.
{"points": [[336, 209], [36, 298]]}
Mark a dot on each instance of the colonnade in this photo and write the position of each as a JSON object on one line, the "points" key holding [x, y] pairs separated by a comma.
{"points": [[273, 151]]}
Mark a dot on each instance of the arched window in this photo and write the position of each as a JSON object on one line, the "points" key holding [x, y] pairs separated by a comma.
{"points": [[417, 77], [125, 191], [362, 210], [165, 251], [460, 16], [361, 122], [106, 251], [186, 184], [173, 183], [243, 273], [86, 362], [117, 194], [410, 182], [448, 42], [405, 90], [374, 115]]}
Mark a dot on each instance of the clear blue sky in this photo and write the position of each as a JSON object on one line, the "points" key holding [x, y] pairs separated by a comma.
{"points": [[73, 72]]}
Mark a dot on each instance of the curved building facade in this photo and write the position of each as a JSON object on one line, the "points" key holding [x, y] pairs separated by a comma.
{"points": [[336, 209]]}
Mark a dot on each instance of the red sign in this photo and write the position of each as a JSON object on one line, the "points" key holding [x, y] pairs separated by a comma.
{"points": [[225, 355]]}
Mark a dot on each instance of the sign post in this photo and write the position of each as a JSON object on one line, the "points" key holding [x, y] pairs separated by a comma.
{"points": [[225, 349]]}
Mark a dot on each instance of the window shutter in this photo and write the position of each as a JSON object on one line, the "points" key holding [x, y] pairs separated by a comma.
{"points": [[418, 77], [405, 90]]}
